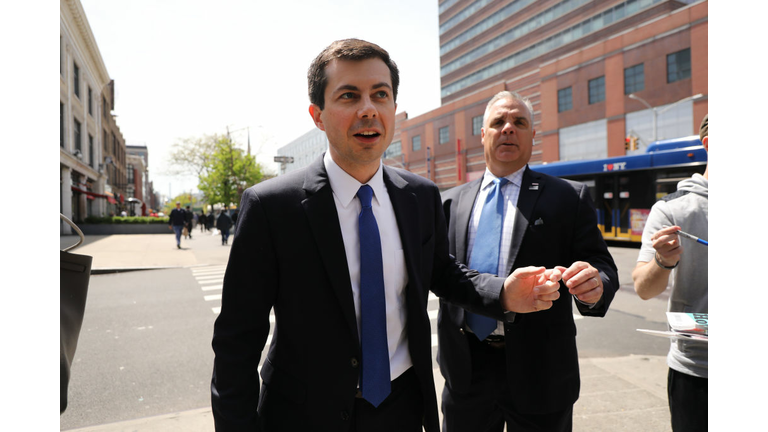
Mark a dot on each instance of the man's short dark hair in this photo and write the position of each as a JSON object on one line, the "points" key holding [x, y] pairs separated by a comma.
{"points": [[704, 128], [346, 49]]}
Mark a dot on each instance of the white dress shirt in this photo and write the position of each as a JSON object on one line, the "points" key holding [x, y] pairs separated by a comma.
{"points": [[510, 191], [348, 207]]}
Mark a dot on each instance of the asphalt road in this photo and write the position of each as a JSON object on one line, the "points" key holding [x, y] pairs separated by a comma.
{"points": [[145, 345]]}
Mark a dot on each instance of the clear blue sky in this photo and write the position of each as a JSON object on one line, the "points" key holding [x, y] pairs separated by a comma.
{"points": [[188, 68]]}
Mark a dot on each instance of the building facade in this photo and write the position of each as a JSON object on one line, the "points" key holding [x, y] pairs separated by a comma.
{"points": [[138, 188], [597, 72], [91, 147], [304, 150]]}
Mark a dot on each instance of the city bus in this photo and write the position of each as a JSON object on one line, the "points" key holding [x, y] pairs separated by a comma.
{"points": [[624, 188]]}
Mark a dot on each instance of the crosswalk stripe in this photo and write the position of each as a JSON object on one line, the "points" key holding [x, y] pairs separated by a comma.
{"points": [[209, 274], [211, 287], [212, 297], [217, 266], [209, 270], [202, 278]]}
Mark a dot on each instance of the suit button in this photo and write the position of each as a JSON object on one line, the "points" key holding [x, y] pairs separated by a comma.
{"points": [[354, 362], [461, 330], [344, 415]]}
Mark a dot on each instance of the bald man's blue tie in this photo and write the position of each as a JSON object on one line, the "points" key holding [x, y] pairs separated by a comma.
{"points": [[375, 381], [485, 251]]}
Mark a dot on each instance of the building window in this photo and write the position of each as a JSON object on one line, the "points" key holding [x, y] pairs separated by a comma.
{"points": [[634, 79], [90, 101], [61, 125], [597, 90], [394, 150], [477, 125], [90, 150], [416, 141], [444, 135], [564, 99], [77, 135], [129, 171], [76, 80], [679, 65]]}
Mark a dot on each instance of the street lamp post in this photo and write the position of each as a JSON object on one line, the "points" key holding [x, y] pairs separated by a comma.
{"points": [[656, 112]]}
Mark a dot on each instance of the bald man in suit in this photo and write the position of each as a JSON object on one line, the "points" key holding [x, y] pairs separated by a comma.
{"points": [[524, 372]]}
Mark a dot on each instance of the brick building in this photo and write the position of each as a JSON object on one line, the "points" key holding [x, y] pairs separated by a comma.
{"points": [[579, 61]]}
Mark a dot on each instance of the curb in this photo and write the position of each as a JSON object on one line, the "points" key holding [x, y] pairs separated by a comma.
{"points": [[98, 271]]}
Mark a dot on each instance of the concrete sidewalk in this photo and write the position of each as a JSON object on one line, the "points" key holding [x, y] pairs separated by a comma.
{"points": [[617, 393], [125, 252]]}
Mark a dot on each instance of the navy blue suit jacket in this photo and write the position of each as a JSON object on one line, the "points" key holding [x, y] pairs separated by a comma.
{"points": [[556, 224]]}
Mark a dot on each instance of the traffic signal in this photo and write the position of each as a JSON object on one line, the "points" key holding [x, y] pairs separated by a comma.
{"points": [[630, 143]]}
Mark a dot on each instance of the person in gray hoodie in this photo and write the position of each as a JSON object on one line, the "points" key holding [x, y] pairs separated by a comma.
{"points": [[664, 257]]}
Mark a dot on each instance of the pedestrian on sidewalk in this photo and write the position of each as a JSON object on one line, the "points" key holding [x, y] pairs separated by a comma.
{"points": [[188, 218], [210, 220], [176, 222], [202, 221], [662, 257], [223, 224]]}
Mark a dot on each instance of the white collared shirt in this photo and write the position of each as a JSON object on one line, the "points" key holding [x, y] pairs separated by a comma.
{"points": [[348, 207], [510, 191]]}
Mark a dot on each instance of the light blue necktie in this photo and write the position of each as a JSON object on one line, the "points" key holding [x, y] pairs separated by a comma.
{"points": [[485, 251], [375, 383]]}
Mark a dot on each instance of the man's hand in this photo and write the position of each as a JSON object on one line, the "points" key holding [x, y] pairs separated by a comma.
{"points": [[667, 245], [583, 281], [531, 289]]}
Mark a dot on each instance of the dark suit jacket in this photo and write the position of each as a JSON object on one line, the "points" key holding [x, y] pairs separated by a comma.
{"points": [[555, 225], [289, 254]]}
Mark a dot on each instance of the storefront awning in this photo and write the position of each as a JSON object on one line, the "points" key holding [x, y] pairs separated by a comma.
{"points": [[89, 193]]}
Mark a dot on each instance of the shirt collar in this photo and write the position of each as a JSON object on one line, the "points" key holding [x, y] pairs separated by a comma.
{"points": [[345, 186], [515, 178]]}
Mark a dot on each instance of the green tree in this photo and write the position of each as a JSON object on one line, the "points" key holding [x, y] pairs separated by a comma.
{"points": [[190, 156], [227, 173]]}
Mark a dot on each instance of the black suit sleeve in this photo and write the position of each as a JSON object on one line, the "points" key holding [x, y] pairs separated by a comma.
{"points": [[588, 245], [241, 330]]}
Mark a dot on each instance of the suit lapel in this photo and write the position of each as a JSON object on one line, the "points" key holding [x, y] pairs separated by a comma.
{"points": [[530, 190], [406, 210], [321, 213], [463, 212]]}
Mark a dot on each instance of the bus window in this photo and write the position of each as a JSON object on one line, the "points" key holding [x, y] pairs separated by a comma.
{"points": [[667, 180], [607, 201]]}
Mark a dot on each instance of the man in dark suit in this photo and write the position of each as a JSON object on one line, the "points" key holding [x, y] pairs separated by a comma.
{"points": [[176, 221], [345, 252], [526, 372]]}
